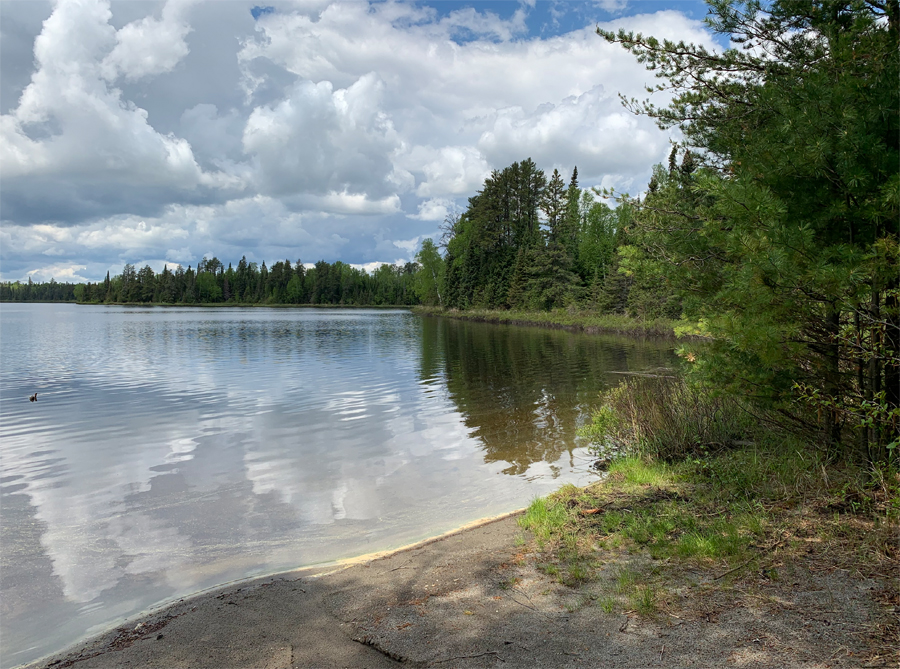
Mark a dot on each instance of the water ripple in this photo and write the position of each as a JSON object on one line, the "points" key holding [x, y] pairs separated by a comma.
{"points": [[171, 450]]}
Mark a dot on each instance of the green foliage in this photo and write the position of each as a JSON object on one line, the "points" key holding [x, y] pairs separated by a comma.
{"points": [[668, 418], [501, 254], [207, 288], [483, 244], [51, 291], [211, 283], [648, 292], [596, 239], [430, 275], [780, 231]]}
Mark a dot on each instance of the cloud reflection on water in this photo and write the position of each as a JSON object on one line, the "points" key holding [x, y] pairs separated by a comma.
{"points": [[174, 449]]}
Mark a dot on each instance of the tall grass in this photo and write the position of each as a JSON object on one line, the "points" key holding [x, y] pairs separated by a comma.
{"points": [[668, 418], [588, 321]]}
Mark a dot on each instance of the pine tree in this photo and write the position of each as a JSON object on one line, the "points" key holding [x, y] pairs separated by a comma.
{"points": [[568, 236], [781, 230], [553, 205]]}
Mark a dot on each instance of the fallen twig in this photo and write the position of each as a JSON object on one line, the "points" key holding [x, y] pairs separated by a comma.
{"points": [[744, 564], [466, 657], [731, 571], [402, 566]]}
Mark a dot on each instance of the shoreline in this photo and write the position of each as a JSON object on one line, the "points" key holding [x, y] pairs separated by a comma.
{"points": [[100, 649], [586, 322], [479, 596], [227, 305], [313, 571], [208, 305]]}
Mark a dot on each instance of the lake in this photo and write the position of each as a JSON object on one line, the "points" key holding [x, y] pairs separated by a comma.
{"points": [[171, 450]]}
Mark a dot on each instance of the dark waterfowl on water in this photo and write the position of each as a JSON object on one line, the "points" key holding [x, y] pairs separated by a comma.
{"points": [[33, 398]]}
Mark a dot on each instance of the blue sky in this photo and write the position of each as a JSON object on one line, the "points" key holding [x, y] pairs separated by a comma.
{"points": [[161, 131]]}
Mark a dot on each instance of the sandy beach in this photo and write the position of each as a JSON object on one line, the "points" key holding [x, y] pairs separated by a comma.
{"points": [[474, 598]]}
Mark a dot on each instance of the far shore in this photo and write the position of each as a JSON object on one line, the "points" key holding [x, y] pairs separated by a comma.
{"points": [[590, 322], [208, 305], [228, 305]]}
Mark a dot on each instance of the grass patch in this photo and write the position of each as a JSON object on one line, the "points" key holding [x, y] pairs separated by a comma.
{"points": [[545, 519], [607, 604], [643, 600], [573, 319], [625, 580], [737, 510], [635, 472], [700, 503]]}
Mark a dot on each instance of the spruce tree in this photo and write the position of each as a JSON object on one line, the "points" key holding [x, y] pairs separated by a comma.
{"points": [[569, 227], [553, 204]]}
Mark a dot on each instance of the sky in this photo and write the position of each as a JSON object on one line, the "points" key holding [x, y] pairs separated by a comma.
{"points": [[160, 132]]}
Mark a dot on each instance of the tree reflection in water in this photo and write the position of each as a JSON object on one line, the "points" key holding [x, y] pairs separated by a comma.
{"points": [[524, 391]]}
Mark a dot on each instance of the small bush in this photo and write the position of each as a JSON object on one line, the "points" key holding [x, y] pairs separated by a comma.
{"points": [[665, 417]]}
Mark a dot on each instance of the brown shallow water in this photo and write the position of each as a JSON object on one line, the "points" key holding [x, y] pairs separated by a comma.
{"points": [[171, 450]]}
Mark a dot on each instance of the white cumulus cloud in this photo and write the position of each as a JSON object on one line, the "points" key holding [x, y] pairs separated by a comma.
{"points": [[73, 126], [321, 140], [321, 129], [149, 46]]}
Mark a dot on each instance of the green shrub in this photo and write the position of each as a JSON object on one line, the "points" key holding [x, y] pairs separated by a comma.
{"points": [[665, 417]]}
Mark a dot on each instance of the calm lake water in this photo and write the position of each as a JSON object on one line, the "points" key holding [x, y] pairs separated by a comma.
{"points": [[171, 450]]}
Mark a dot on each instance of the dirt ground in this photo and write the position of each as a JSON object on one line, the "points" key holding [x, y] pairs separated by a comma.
{"points": [[477, 598]]}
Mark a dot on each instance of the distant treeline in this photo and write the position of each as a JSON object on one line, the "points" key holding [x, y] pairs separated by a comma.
{"points": [[212, 283], [52, 291]]}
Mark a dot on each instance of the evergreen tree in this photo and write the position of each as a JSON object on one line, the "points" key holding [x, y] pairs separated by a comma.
{"points": [[484, 243], [784, 245], [551, 281], [430, 275], [518, 287], [553, 205], [673, 160], [147, 284], [568, 236]]}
